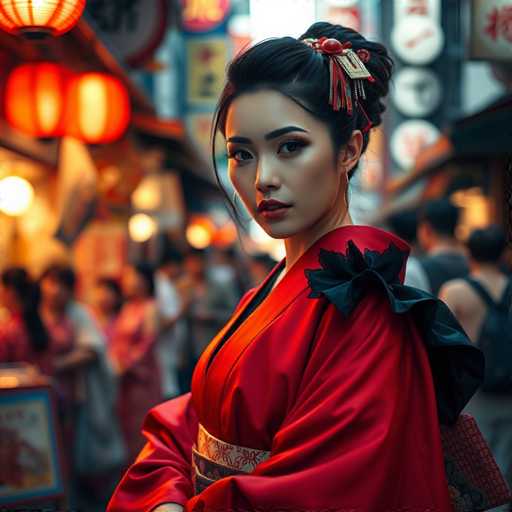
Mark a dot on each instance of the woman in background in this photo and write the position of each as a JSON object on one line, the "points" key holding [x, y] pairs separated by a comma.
{"points": [[23, 336], [132, 353], [106, 305]]}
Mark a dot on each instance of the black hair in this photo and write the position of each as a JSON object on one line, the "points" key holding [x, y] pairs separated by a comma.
{"points": [[114, 286], [62, 273], [296, 70], [404, 224], [147, 272], [487, 245], [18, 280], [442, 216]]}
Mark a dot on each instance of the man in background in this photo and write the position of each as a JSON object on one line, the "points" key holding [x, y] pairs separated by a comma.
{"points": [[445, 258], [470, 303]]}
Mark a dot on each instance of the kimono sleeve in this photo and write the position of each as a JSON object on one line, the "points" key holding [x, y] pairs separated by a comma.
{"points": [[355, 438], [162, 471]]}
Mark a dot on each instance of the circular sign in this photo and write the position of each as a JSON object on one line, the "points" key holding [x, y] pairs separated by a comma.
{"points": [[409, 139], [417, 92], [204, 15], [417, 40], [135, 29]]}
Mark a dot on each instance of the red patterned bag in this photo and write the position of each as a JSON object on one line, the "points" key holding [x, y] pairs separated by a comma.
{"points": [[474, 479]]}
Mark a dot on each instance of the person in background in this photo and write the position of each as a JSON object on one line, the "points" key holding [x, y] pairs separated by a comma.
{"points": [[404, 224], [171, 308], [106, 304], [133, 354], [260, 265], [209, 306], [226, 268], [492, 411], [445, 259], [23, 336], [84, 373]]}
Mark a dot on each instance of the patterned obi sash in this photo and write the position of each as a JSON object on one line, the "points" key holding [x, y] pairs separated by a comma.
{"points": [[213, 459]]}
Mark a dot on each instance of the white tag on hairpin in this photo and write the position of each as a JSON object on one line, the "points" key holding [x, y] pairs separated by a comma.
{"points": [[353, 65]]}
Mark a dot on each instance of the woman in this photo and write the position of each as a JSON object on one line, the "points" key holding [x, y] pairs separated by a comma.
{"points": [[132, 353], [107, 303], [23, 337], [318, 394]]}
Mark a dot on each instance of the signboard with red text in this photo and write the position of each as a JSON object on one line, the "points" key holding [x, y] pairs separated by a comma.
{"points": [[204, 15], [491, 30]]}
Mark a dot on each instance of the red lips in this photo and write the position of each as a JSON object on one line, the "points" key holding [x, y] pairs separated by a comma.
{"points": [[271, 205]]}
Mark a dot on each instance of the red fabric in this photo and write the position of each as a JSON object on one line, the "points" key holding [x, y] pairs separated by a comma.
{"points": [[345, 405]]}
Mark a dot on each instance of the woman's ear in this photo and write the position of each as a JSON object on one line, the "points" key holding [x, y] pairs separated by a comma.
{"points": [[350, 153]]}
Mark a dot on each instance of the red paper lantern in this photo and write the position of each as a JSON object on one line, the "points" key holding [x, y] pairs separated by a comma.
{"points": [[98, 108], [52, 17], [35, 98]]}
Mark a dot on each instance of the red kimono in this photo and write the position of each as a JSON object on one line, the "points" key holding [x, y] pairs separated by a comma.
{"points": [[328, 378]]}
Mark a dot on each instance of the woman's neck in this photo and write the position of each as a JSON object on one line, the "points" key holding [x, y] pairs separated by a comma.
{"points": [[298, 244]]}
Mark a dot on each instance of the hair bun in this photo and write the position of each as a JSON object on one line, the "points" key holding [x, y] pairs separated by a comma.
{"points": [[374, 56]]}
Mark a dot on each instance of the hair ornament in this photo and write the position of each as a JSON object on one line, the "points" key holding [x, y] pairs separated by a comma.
{"points": [[344, 64]]}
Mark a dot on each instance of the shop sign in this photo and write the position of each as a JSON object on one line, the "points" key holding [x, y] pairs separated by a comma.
{"points": [[418, 40], [347, 14], [491, 33], [417, 92], [204, 15], [206, 61], [135, 28], [425, 8], [409, 138]]}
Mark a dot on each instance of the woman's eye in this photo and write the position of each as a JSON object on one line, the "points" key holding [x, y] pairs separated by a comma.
{"points": [[291, 146], [240, 155]]}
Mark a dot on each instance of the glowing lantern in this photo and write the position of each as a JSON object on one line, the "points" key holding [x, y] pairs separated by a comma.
{"points": [[200, 232], [225, 235], [16, 195], [141, 227], [52, 17], [98, 108], [35, 98]]}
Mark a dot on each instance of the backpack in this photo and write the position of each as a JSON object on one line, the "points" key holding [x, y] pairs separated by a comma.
{"points": [[495, 339]]}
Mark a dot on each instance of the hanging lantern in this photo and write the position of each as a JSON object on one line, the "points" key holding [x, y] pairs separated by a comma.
{"points": [[40, 17], [98, 108], [35, 98]]}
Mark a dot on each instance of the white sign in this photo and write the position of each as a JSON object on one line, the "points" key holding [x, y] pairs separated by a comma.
{"points": [[491, 33], [278, 18], [417, 40], [409, 139], [427, 8], [417, 92]]}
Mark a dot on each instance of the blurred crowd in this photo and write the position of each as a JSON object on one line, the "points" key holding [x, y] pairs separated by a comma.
{"points": [[133, 345]]}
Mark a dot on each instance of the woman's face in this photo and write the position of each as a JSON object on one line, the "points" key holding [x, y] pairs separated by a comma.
{"points": [[277, 151]]}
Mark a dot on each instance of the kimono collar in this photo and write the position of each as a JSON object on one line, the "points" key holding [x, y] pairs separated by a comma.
{"points": [[365, 239]]}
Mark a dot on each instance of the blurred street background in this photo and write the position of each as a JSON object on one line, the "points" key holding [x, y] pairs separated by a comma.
{"points": [[118, 258]]}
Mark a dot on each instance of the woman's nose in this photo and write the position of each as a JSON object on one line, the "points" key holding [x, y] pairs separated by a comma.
{"points": [[266, 177]]}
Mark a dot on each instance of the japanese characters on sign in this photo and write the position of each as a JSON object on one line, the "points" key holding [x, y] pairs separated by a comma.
{"points": [[491, 31]]}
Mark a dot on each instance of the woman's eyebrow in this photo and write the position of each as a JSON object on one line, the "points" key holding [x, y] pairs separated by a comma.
{"points": [[282, 131], [269, 136]]}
